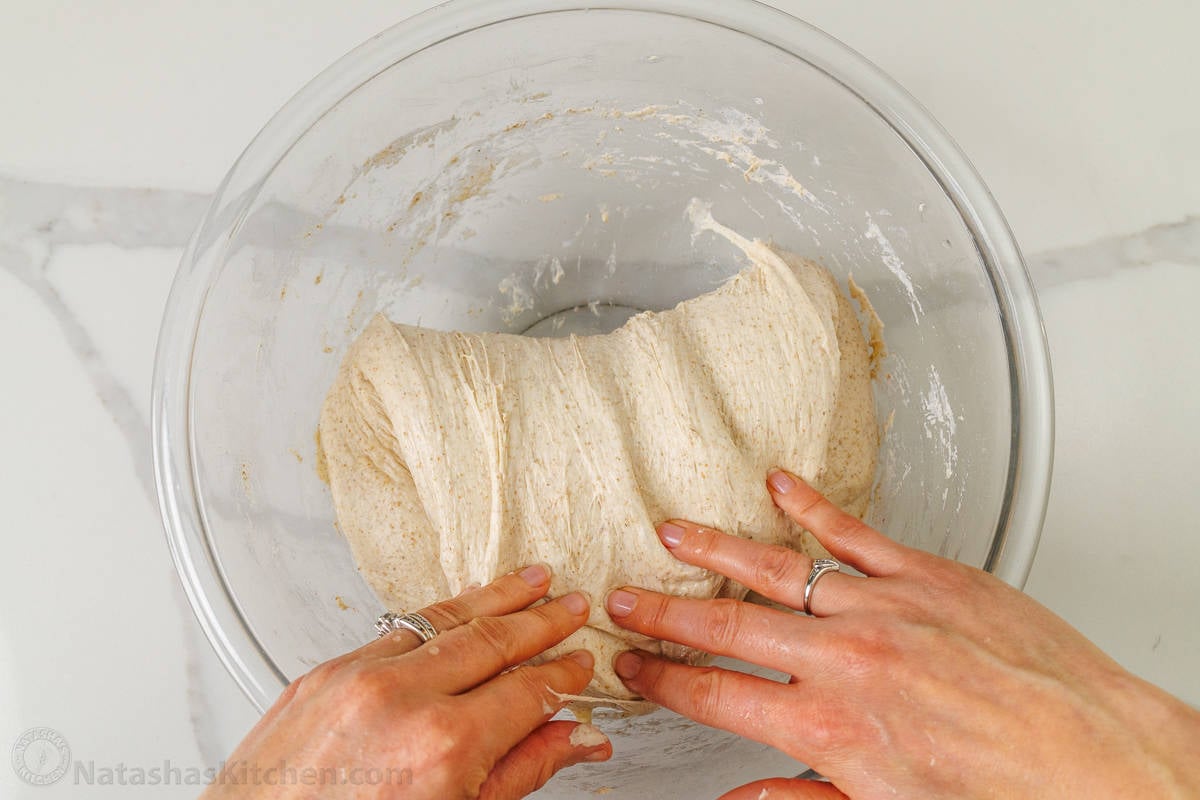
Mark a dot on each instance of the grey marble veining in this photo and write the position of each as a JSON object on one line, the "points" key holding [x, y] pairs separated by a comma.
{"points": [[35, 218], [1172, 242], [56, 214]]}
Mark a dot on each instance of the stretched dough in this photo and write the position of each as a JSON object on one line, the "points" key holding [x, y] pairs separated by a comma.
{"points": [[454, 458]]}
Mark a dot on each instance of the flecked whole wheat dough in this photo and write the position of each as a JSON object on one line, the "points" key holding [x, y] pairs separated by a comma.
{"points": [[456, 457]]}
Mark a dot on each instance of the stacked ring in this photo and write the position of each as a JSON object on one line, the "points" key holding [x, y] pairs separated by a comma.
{"points": [[390, 621]]}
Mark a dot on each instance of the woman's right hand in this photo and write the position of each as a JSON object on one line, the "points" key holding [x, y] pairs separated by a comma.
{"points": [[453, 718], [925, 679]]}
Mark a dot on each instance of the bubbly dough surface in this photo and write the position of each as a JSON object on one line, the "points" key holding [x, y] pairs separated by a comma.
{"points": [[454, 458]]}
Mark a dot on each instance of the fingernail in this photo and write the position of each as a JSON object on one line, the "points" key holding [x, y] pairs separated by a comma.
{"points": [[583, 658], [586, 736], [781, 482], [627, 665], [671, 534], [574, 602], [535, 575], [621, 603]]}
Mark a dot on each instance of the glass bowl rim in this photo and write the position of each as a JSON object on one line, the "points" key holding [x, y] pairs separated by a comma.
{"points": [[1026, 495]]}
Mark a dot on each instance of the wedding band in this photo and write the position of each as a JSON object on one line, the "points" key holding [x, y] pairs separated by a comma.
{"points": [[819, 568], [390, 621]]}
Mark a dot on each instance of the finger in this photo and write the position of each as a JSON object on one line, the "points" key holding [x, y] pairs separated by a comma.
{"points": [[519, 701], [506, 594], [550, 748], [785, 789], [765, 636], [848, 538], [470, 654], [774, 571], [747, 705]]}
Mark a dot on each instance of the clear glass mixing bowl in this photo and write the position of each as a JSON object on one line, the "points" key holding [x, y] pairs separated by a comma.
{"points": [[525, 166]]}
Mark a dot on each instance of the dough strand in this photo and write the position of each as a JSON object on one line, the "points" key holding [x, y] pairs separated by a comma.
{"points": [[456, 457]]}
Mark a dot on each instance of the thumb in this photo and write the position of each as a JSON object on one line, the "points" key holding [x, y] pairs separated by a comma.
{"points": [[785, 789], [535, 759]]}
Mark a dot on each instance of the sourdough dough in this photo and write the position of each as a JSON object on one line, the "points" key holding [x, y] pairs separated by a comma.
{"points": [[454, 458]]}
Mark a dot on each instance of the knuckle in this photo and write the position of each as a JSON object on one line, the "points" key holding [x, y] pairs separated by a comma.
{"points": [[706, 544], [442, 731], [652, 612], [492, 633], [722, 624], [548, 612], [870, 647], [447, 614], [706, 693], [805, 504], [830, 729], [902, 600], [552, 616], [776, 567], [845, 528], [322, 674], [366, 686], [862, 650], [946, 579], [529, 680], [544, 770], [658, 682], [293, 689]]}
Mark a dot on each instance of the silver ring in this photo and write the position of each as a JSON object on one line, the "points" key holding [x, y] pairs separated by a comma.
{"points": [[390, 621], [819, 568]]}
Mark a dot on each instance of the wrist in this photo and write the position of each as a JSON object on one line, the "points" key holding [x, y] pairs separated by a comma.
{"points": [[1167, 731]]}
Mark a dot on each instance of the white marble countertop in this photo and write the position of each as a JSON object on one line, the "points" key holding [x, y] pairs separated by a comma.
{"points": [[120, 118]]}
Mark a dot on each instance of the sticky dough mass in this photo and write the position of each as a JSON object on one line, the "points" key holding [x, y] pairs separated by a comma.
{"points": [[454, 458]]}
